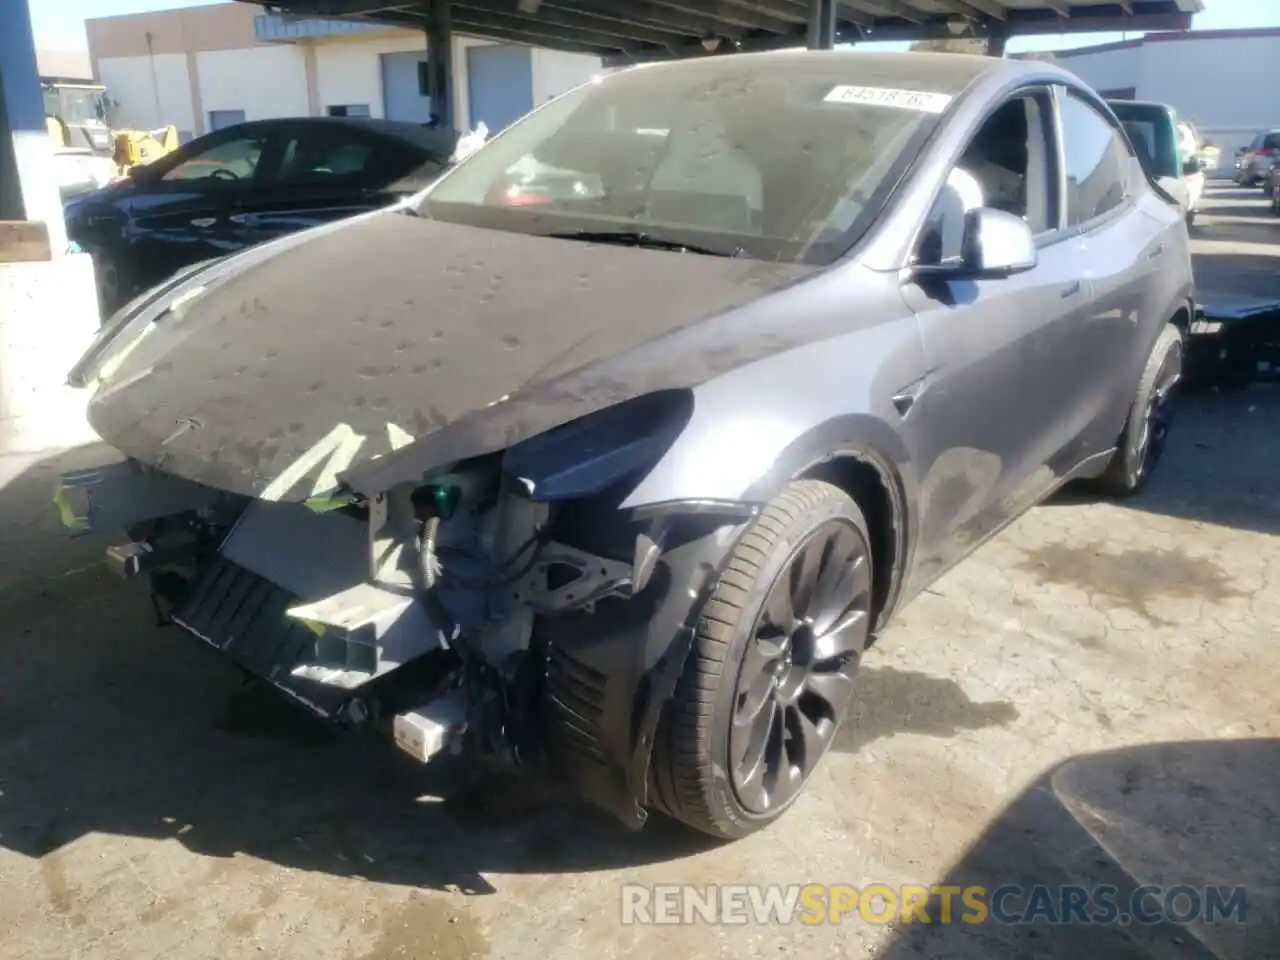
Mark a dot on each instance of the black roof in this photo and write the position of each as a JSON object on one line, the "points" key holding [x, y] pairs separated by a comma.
{"points": [[436, 141], [632, 30]]}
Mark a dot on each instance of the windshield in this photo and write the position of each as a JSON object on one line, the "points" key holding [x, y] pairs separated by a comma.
{"points": [[79, 106], [772, 159]]}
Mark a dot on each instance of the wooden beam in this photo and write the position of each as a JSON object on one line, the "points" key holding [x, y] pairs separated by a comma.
{"points": [[991, 8], [24, 241], [893, 8]]}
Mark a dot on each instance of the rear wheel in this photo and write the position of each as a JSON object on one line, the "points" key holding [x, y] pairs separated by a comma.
{"points": [[771, 674], [1143, 441]]}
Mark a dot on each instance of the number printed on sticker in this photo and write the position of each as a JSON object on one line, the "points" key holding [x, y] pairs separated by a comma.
{"points": [[889, 97]]}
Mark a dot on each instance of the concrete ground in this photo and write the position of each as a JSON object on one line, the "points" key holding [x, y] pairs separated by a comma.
{"points": [[1091, 698]]}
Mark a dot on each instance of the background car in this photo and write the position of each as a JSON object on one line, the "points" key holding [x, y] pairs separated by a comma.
{"points": [[1254, 163], [1166, 148], [245, 184]]}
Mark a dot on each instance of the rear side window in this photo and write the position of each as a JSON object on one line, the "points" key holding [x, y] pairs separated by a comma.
{"points": [[1097, 162], [319, 155]]}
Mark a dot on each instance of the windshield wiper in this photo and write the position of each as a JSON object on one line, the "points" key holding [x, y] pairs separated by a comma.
{"points": [[638, 238]]}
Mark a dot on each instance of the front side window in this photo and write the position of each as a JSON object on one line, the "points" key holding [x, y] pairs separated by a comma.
{"points": [[1006, 167], [784, 163], [231, 161], [1097, 161]]}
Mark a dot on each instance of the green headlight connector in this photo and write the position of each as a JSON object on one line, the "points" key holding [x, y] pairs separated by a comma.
{"points": [[445, 497]]}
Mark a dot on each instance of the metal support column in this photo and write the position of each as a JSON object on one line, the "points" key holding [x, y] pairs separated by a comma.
{"points": [[28, 183], [822, 24], [439, 21], [997, 37]]}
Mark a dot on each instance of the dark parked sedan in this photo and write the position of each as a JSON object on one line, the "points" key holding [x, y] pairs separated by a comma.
{"points": [[628, 477], [244, 184]]}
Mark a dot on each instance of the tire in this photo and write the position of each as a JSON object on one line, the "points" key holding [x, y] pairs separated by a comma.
{"points": [[114, 284], [695, 776], [1142, 441]]}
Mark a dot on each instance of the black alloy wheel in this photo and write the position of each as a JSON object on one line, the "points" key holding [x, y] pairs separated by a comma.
{"points": [[771, 674], [1158, 417], [797, 673]]}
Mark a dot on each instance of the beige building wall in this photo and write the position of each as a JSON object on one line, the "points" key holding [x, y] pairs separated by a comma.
{"points": [[150, 91], [263, 81], [554, 72], [175, 66]]}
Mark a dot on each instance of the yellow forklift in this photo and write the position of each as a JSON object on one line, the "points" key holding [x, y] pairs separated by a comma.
{"points": [[89, 151]]}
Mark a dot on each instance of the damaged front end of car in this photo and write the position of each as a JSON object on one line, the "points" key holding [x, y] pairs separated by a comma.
{"points": [[506, 604]]}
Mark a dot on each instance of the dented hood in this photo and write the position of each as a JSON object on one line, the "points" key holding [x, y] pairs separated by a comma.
{"points": [[343, 344]]}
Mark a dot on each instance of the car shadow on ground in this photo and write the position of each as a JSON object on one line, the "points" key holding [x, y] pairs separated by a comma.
{"points": [[1198, 815], [1221, 466]]}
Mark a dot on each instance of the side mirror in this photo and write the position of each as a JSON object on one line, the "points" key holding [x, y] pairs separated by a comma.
{"points": [[996, 244], [1192, 167]]}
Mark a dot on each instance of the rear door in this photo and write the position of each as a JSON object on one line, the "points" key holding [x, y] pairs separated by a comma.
{"points": [[1123, 225], [326, 172], [999, 411]]}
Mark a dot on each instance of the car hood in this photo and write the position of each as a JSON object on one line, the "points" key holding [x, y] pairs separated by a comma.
{"points": [[266, 372]]}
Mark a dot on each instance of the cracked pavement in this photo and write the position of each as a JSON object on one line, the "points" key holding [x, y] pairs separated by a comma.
{"points": [[1091, 697]]}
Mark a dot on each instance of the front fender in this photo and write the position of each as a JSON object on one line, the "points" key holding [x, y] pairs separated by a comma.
{"points": [[756, 427]]}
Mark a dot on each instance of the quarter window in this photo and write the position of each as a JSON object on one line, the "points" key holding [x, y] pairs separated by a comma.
{"points": [[1098, 162]]}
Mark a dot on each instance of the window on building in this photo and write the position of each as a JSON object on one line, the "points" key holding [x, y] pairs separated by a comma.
{"points": [[424, 78], [1098, 162], [348, 110], [231, 161], [220, 119]]}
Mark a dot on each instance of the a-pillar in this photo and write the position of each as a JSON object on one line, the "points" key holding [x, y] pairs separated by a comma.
{"points": [[439, 26]]}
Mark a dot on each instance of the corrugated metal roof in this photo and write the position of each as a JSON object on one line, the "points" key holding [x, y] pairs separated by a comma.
{"points": [[629, 30]]}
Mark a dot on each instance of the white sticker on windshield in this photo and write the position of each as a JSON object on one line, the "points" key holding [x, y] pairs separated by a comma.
{"points": [[888, 97]]}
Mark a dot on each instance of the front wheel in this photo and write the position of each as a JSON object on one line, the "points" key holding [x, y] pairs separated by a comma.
{"points": [[115, 287], [1146, 431], [770, 677]]}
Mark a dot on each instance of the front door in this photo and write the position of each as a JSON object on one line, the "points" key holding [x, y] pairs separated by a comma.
{"points": [[181, 213], [996, 409], [325, 172]]}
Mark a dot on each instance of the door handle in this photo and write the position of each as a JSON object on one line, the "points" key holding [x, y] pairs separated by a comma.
{"points": [[204, 221], [1072, 290], [238, 218], [1156, 251]]}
